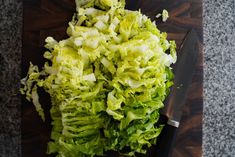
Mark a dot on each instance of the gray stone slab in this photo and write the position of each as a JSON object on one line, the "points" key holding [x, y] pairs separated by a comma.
{"points": [[219, 78], [10, 71]]}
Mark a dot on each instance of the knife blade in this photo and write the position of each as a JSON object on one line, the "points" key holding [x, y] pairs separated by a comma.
{"points": [[172, 110], [183, 75]]}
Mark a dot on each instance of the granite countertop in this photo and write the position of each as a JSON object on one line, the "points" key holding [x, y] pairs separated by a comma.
{"points": [[219, 78], [10, 71]]}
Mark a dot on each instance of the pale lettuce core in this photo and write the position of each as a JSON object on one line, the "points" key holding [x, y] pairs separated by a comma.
{"points": [[107, 81]]}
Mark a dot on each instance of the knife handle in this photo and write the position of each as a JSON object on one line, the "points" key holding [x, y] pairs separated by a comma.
{"points": [[165, 142]]}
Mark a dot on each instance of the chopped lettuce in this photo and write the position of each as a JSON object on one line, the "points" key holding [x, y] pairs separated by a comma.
{"points": [[164, 14], [107, 81]]}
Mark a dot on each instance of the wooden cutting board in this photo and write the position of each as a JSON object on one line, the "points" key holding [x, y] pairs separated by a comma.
{"points": [[44, 18]]}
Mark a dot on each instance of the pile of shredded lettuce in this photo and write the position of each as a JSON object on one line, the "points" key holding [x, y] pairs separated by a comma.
{"points": [[107, 81]]}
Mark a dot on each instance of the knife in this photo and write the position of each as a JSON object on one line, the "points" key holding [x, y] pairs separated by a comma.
{"points": [[172, 111]]}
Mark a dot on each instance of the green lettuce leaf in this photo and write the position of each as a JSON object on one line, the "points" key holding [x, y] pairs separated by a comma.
{"points": [[107, 81]]}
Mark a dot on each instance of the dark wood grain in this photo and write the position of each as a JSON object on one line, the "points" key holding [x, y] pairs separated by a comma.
{"points": [[44, 18]]}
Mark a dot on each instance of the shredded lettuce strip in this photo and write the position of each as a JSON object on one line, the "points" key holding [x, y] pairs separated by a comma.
{"points": [[107, 81]]}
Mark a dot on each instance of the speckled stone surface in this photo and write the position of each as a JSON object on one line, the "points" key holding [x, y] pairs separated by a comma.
{"points": [[10, 71], [219, 78]]}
